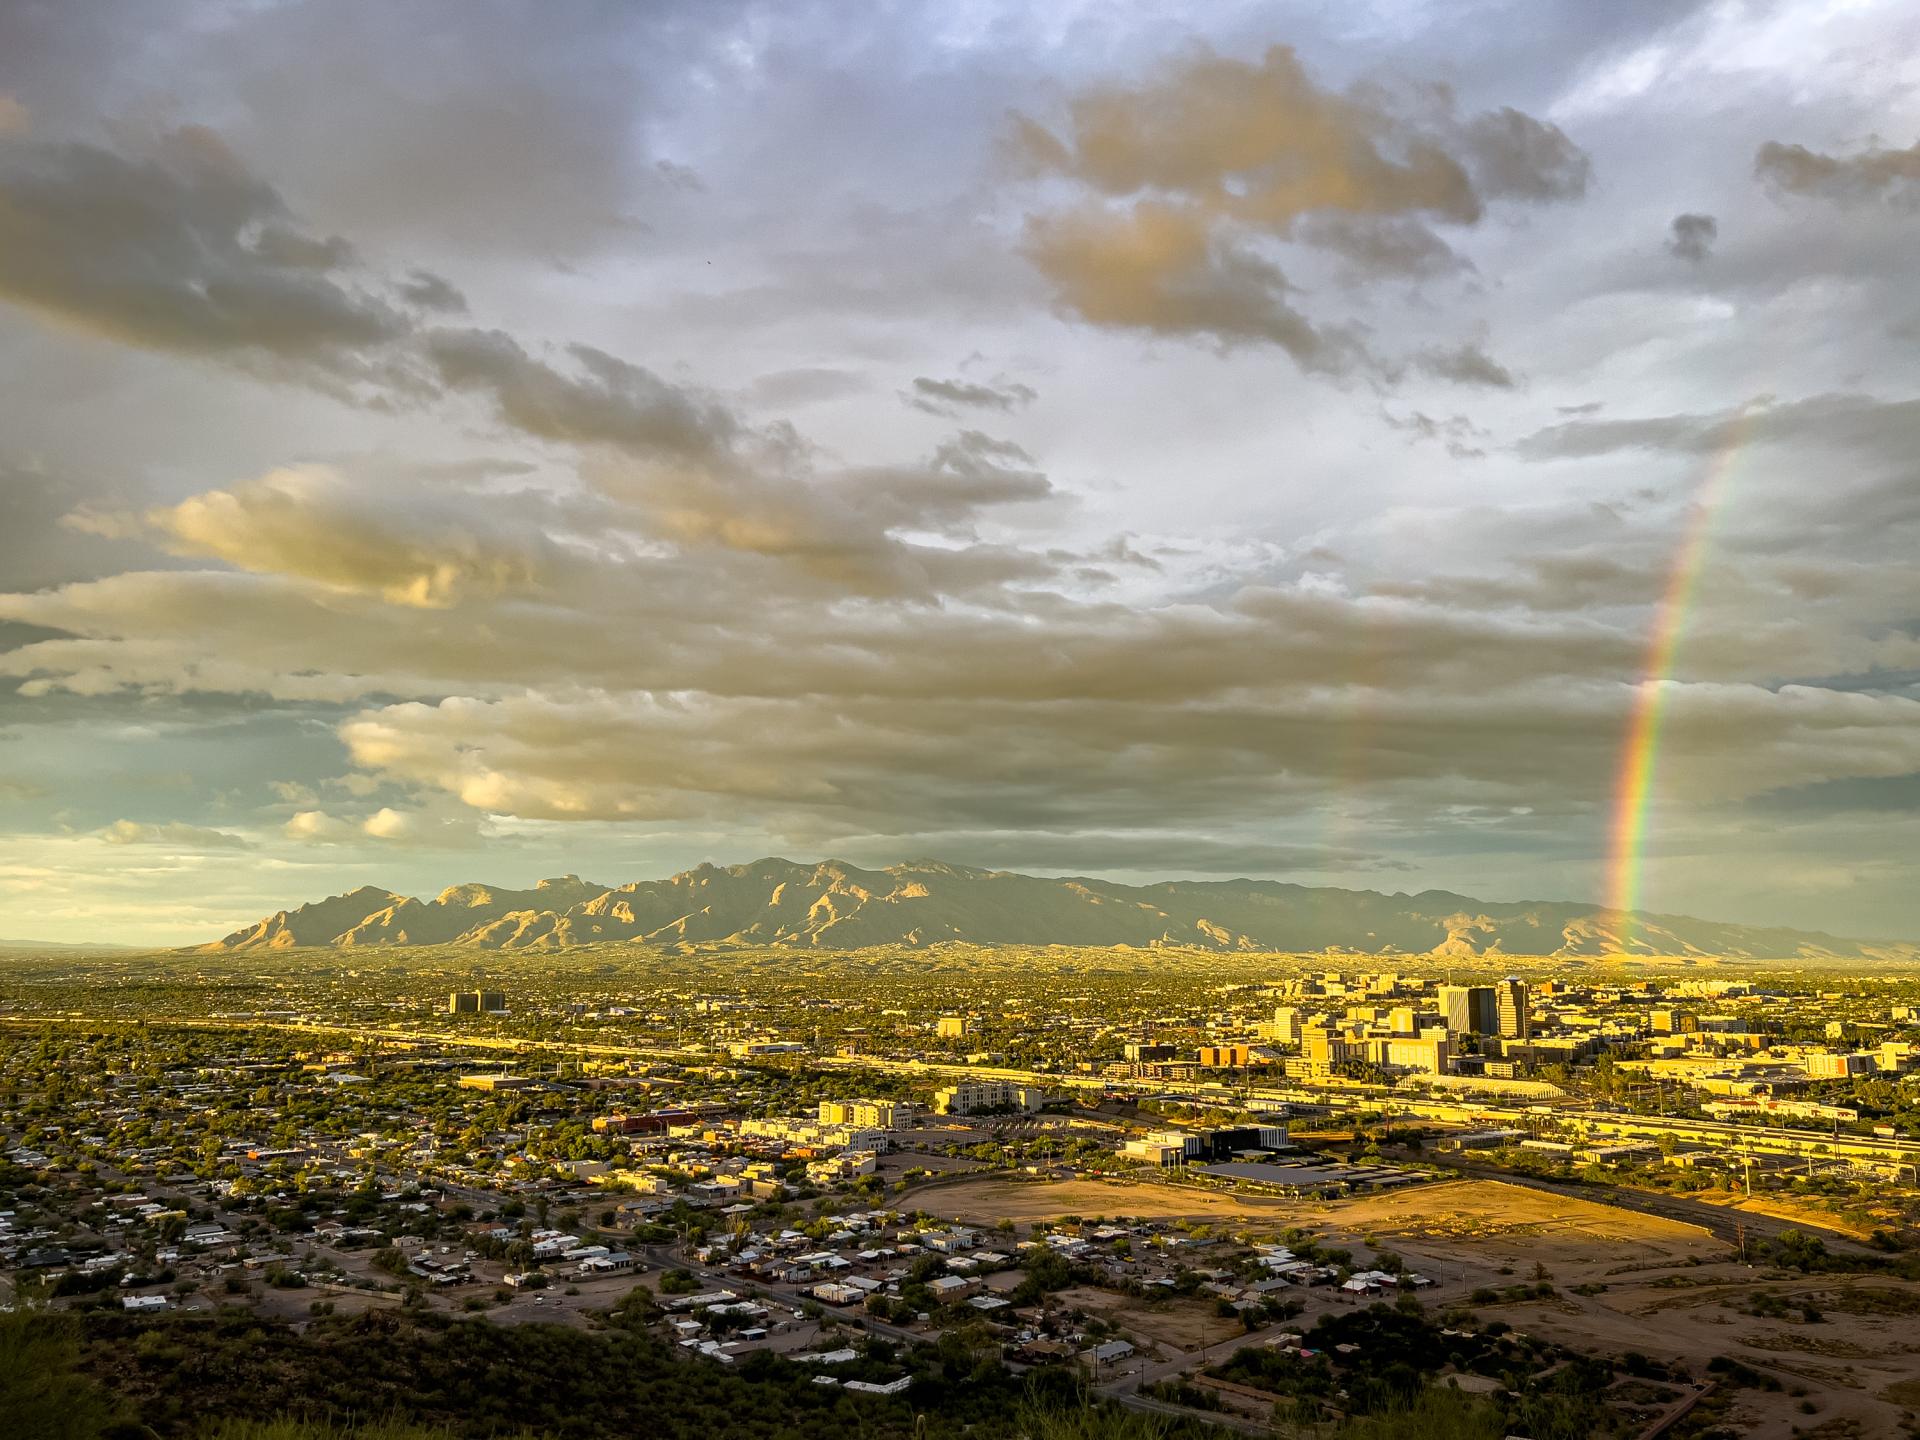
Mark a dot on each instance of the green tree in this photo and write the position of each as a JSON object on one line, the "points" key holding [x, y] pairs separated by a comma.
{"points": [[43, 1396]]}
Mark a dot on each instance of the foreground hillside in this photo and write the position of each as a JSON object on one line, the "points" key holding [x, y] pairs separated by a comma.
{"points": [[837, 906]]}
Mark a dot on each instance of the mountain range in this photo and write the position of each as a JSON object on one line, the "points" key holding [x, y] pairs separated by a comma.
{"points": [[833, 905]]}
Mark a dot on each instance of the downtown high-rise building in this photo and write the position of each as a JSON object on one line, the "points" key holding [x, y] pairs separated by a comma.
{"points": [[1470, 1009], [1516, 1012]]}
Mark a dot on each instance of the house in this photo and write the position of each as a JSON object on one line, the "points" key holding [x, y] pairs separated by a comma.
{"points": [[950, 1242], [612, 1264], [705, 1300]]}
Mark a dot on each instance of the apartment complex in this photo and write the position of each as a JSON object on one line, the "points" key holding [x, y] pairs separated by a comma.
{"points": [[970, 1097], [867, 1114]]}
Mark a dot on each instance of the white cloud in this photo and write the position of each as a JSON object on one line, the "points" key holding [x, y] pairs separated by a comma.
{"points": [[175, 834]]}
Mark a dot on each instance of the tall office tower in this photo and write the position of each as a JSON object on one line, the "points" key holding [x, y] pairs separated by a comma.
{"points": [[1516, 1015], [1286, 1026], [1469, 1009]]}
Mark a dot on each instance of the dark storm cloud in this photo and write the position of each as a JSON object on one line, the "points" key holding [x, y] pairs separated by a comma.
{"points": [[1461, 438], [1467, 364], [1153, 852], [1690, 237], [967, 474], [179, 249], [432, 292], [1890, 428], [701, 476], [186, 250], [1824, 485], [1514, 155], [945, 397], [1873, 174], [607, 401], [1381, 248]]}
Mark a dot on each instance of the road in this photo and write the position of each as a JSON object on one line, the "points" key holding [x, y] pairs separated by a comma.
{"points": [[1148, 1405]]}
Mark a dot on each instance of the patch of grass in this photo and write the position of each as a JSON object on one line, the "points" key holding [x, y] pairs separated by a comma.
{"points": [[1903, 1392]]}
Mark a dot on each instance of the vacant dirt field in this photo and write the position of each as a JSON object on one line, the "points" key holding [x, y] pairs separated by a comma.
{"points": [[1176, 1324], [990, 1199], [1846, 1347], [1452, 1209], [1784, 1208], [1516, 1223]]}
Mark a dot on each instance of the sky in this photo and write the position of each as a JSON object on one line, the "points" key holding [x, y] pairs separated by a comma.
{"points": [[494, 440]]}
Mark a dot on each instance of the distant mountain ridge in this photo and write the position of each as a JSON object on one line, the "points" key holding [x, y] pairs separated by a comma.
{"points": [[835, 906], [58, 947]]}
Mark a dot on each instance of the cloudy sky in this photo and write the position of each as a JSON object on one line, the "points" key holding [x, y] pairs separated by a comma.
{"points": [[481, 441]]}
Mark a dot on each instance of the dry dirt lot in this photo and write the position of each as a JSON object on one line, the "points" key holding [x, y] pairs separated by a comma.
{"points": [[1177, 1324], [1663, 1288], [1511, 1225], [1779, 1207], [991, 1198], [1480, 1210]]}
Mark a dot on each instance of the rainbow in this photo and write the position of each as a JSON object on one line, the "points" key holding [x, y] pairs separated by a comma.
{"points": [[1640, 752]]}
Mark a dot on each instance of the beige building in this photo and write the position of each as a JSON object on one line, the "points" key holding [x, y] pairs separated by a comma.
{"points": [[867, 1114], [969, 1097], [1515, 1008], [1428, 1053], [1286, 1026], [1225, 1057]]}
